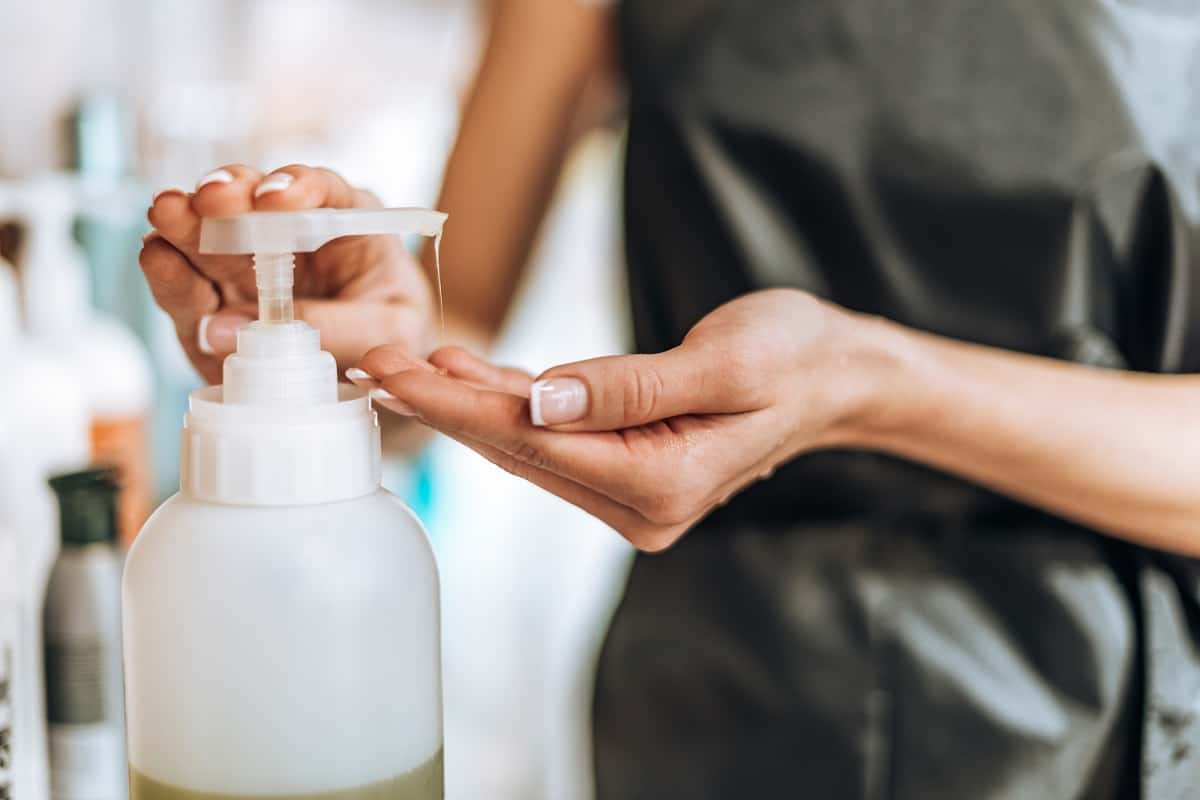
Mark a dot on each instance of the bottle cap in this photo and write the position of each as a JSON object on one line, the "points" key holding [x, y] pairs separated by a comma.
{"points": [[87, 505], [55, 279]]}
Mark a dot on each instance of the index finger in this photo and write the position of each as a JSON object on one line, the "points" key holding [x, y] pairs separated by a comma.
{"points": [[600, 460], [177, 217]]}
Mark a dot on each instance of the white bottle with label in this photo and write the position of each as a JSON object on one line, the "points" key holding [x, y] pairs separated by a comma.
{"points": [[112, 365], [43, 429], [10, 615], [83, 643], [281, 624]]}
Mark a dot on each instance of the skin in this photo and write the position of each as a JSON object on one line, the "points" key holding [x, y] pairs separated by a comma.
{"points": [[778, 373], [360, 287], [759, 381]]}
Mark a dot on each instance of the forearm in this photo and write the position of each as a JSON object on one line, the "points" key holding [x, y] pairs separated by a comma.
{"points": [[1118, 451], [505, 163]]}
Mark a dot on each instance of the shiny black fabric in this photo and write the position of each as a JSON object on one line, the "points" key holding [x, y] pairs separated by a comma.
{"points": [[1017, 173]]}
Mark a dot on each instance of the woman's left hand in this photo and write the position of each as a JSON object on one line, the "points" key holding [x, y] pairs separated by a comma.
{"points": [[650, 444]]}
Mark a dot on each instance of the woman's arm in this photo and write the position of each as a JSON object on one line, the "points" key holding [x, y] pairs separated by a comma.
{"points": [[541, 55], [515, 130], [651, 443], [1118, 451]]}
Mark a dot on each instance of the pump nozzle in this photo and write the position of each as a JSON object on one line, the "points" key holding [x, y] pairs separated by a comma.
{"points": [[279, 359], [273, 236]]}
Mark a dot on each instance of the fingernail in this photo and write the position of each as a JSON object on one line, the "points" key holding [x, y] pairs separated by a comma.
{"points": [[217, 334], [216, 176], [391, 403], [276, 182], [173, 190], [356, 375], [557, 401]]}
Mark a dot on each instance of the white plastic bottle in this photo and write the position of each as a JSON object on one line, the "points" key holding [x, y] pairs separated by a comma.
{"points": [[281, 624], [83, 643], [112, 365], [10, 615], [43, 429]]}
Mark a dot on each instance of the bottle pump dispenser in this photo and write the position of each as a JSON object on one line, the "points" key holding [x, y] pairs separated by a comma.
{"points": [[281, 624]]}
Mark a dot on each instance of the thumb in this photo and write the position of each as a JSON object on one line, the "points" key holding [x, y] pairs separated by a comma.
{"points": [[216, 334], [625, 391]]}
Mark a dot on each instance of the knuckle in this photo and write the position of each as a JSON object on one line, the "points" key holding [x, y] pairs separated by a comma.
{"points": [[165, 279], [514, 467], [740, 374], [528, 453], [148, 256], [641, 392]]}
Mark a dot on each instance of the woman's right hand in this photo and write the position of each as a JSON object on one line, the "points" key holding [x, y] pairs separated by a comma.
{"points": [[359, 291]]}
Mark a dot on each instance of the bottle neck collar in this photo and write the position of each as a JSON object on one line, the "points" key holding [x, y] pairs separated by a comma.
{"points": [[260, 455]]}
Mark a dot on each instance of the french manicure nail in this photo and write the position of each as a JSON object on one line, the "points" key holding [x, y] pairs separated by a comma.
{"points": [[557, 401], [217, 334], [172, 190], [354, 374], [275, 182], [216, 176], [392, 403]]}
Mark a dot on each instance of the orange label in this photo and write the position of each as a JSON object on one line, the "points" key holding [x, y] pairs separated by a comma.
{"points": [[122, 442]]}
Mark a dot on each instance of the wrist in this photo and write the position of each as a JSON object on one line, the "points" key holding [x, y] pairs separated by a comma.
{"points": [[889, 386]]}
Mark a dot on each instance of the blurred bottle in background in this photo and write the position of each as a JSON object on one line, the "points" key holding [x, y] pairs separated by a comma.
{"points": [[10, 610], [84, 702], [43, 429], [109, 363], [112, 205]]}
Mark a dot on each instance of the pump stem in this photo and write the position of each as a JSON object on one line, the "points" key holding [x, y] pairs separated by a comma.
{"points": [[273, 274]]}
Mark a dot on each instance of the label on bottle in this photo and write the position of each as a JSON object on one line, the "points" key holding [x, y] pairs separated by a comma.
{"points": [[122, 442], [75, 682], [8, 691], [86, 762], [86, 757]]}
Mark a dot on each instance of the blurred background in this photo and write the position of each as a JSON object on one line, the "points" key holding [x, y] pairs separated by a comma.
{"points": [[102, 102]]}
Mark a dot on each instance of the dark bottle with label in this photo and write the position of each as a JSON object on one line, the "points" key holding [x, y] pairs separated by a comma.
{"points": [[83, 643]]}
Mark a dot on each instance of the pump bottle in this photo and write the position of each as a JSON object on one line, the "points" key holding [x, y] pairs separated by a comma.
{"points": [[43, 429], [112, 365], [281, 623]]}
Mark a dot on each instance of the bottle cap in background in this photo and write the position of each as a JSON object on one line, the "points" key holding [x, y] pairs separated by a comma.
{"points": [[87, 503], [102, 137]]}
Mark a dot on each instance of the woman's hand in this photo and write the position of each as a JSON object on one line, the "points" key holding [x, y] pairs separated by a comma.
{"points": [[359, 291], [651, 443]]}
